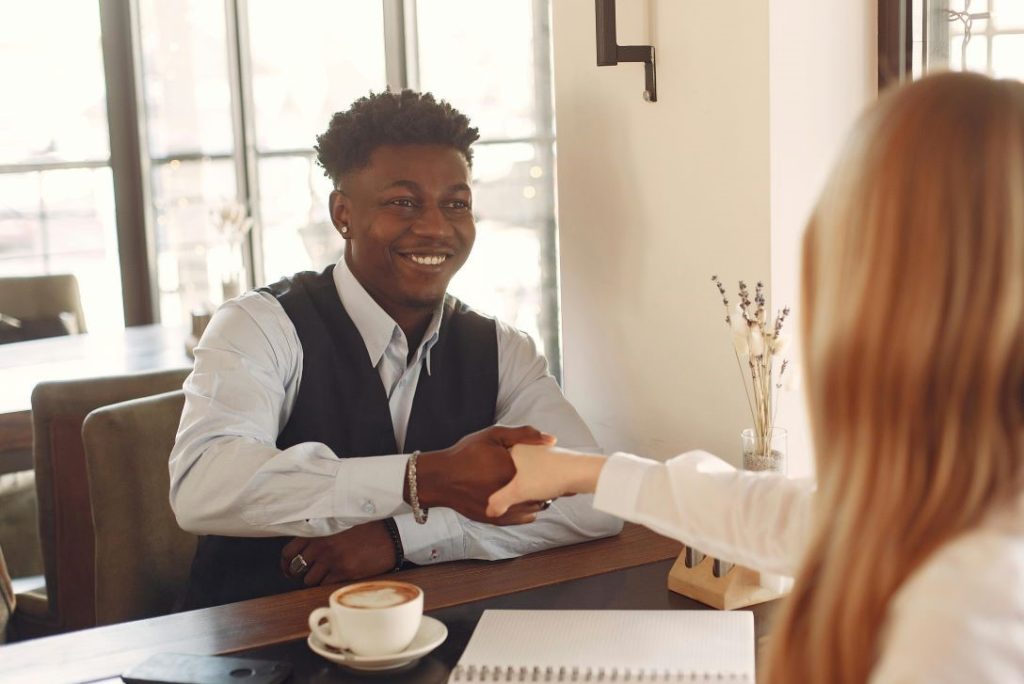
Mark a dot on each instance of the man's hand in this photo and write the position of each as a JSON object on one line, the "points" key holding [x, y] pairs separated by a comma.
{"points": [[361, 551], [463, 476]]}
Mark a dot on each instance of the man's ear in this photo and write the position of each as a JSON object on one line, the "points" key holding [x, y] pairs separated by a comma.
{"points": [[340, 212]]}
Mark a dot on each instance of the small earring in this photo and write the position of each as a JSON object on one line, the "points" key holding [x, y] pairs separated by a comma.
{"points": [[344, 230]]}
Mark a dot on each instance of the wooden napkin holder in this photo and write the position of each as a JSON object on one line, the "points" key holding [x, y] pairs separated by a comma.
{"points": [[738, 588]]}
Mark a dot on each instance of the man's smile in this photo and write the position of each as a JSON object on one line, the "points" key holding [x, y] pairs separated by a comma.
{"points": [[427, 259]]}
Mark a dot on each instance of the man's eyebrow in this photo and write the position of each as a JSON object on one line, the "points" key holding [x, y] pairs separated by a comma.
{"points": [[408, 184], [415, 187]]}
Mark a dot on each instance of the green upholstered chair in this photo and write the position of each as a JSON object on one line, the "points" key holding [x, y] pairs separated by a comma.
{"points": [[142, 556]]}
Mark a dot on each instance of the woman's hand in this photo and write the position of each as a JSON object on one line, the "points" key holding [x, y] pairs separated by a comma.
{"points": [[544, 473], [463, 476]]}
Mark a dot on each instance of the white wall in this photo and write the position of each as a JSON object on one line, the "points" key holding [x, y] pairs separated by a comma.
{"points": [[822, 72], [655, 198]]}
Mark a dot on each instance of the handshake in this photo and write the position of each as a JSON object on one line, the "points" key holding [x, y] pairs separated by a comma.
{"points": [[502, 475]]}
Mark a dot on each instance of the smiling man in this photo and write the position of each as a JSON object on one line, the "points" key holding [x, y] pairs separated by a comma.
{"points": [[341, 424]]}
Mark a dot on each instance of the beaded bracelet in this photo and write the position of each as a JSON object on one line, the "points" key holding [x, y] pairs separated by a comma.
{"points": [[396, 539], [420, 514]]}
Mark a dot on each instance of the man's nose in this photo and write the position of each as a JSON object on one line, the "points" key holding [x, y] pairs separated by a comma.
{"points": [[433, 223]]}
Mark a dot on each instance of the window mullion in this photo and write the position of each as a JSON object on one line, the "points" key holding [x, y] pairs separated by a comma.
{"points": [[412, 47], [243, 126], [128, 159], [550, 321], [395, 65], [936, 46], [895, 42], [400, 46]]}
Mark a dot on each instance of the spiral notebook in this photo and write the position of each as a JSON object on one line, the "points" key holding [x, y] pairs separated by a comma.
{"points": [[609, 646]]}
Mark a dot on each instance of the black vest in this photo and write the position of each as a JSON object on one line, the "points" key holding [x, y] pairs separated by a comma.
{"points": [[342, 403]]}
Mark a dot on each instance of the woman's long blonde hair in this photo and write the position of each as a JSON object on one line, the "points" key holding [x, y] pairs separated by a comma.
{"points": [[913, 306]]}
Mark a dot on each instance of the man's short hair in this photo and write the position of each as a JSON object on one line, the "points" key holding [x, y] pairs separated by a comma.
{"points": [[405, 118]]}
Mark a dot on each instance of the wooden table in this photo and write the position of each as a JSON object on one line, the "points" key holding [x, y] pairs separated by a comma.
{"points": [[23, 365], [640, 587], [279, 621]]}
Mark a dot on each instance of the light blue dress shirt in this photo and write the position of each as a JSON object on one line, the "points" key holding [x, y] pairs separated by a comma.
{"points": [[229, 478]]}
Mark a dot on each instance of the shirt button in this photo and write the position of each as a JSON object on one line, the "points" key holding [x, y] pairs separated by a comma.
{"points": [[368, 507], [434, 555]]}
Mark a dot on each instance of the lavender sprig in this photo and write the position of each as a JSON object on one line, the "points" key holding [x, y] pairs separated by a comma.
{"points": [[725, 300], [761, 344]]}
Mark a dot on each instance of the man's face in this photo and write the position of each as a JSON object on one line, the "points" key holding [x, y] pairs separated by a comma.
{"points": [[409, 214]]}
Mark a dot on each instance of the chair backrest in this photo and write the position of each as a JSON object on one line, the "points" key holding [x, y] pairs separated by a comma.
{"points": [[62, 492], [35, 298], [142, 556]]}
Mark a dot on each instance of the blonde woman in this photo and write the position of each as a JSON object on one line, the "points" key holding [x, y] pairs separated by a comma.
{"points": [[909, 555]]}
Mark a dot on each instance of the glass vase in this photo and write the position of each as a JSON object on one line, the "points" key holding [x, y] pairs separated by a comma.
{"points": [[765, 452], [233, 280]]}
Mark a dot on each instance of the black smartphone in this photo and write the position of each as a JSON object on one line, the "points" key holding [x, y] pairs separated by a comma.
{"points": [[180, 668]]}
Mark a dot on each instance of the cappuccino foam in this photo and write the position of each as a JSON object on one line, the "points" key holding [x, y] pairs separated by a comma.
{"points": [[376, 597]]}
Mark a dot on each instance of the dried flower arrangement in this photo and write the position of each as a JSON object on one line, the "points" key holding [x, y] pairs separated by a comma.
{"points": [[760, 343], [233, 224], [232, 221]]}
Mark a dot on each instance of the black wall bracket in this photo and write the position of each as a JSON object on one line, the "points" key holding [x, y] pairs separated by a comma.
{"points": [[610, 53]]}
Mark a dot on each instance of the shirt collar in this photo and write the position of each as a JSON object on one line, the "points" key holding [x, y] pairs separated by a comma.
{"points": [[374, 324]]}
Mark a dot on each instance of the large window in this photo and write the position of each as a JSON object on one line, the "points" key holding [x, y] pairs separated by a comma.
{"points": [[230, 97], [186, 103], [56, 191], [975, 35], [512, 273], [301, 73], [921, 36]]}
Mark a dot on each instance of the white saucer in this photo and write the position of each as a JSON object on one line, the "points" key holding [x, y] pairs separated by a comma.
{"points": [[431, 634]]}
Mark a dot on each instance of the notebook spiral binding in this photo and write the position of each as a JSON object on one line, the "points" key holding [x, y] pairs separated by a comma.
{"points": [[510, 673]]}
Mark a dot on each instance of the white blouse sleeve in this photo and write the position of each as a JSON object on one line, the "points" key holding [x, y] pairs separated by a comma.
{"points": [[760, 520]]}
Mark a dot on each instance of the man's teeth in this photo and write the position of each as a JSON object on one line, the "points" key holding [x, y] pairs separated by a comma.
{"points": [[432, 260]]}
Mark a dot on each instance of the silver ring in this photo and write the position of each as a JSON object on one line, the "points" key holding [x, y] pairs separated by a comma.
{"points": [[298, 566], [546, 505]]}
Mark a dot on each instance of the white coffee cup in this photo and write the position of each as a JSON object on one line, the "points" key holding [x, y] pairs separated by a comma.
{"points": [[370, 618]]}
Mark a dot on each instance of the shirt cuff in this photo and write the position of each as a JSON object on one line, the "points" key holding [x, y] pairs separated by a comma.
{"points": [[438, 540], [618, 486], [370, 487]]}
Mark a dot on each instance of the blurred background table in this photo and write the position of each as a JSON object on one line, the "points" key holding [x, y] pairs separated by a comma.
{"points": [[23, 365]]}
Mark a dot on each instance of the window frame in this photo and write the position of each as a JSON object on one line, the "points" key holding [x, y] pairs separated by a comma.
{"points": [[895, 42], [129, 161]]}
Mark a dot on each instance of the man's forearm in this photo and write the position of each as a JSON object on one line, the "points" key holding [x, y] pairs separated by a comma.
{"points": [[238, 487]]}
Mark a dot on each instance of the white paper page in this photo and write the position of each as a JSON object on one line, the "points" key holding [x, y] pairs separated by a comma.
{"points": [[695, 642]]}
